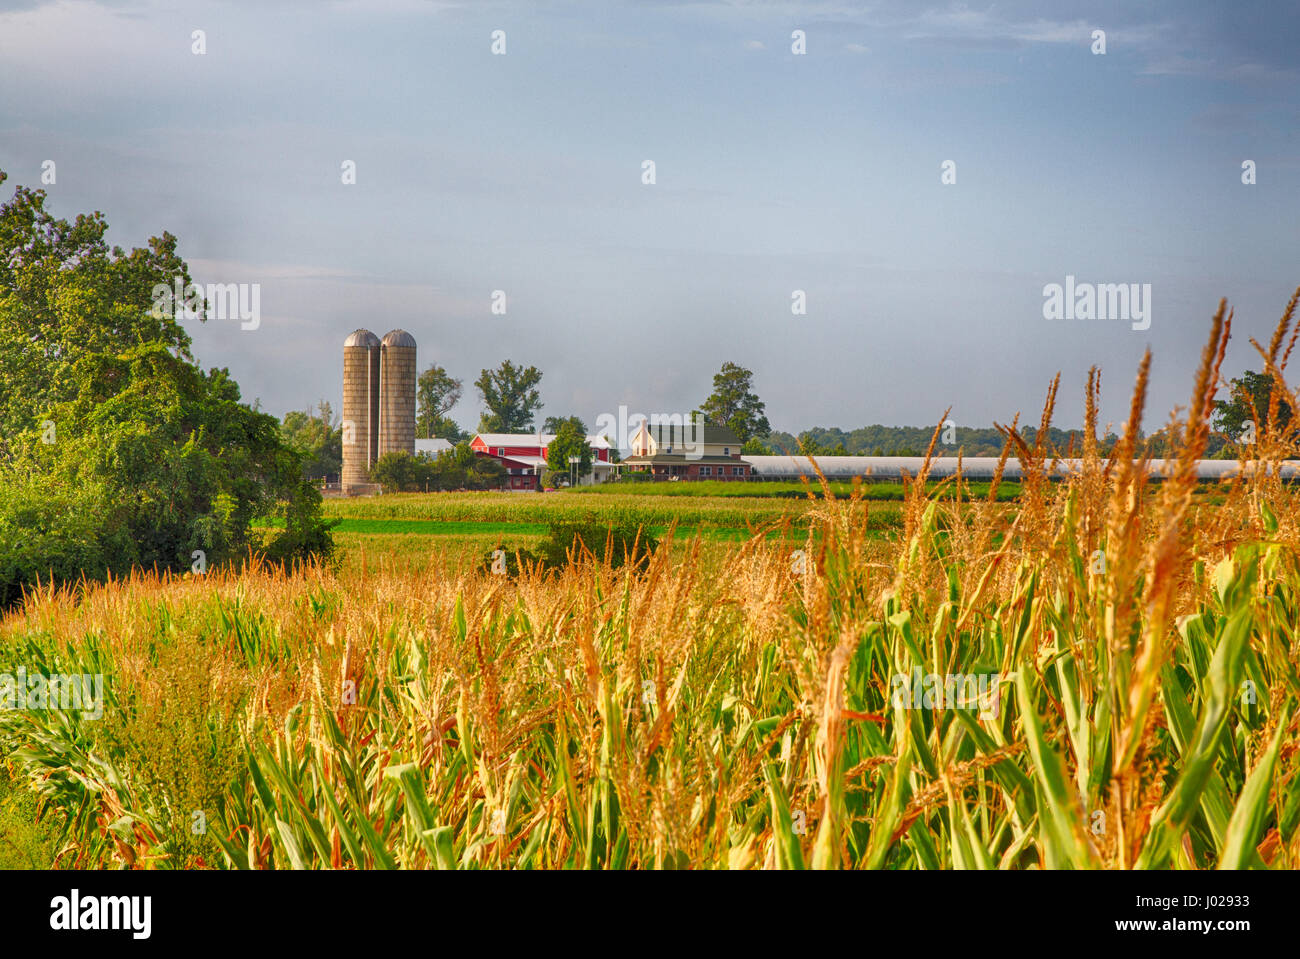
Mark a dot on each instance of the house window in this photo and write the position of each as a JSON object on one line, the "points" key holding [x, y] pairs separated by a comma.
{"points": [[501, 451], [738, 471], [726, 451], [706, 470]]}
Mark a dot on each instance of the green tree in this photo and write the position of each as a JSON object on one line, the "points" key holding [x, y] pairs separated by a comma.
{"points": [[396, 472], [437, 392], [754, 447], [570, 441], [318, 437], [456, 469], [511, 396], [554, 423], [1248, 402], [147, 458], [734, 403], [809, 446], [467, 470], [448, 429]]}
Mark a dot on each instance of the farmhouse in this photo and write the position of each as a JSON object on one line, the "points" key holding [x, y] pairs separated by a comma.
{"points": [[524, 457], [694, 452]]}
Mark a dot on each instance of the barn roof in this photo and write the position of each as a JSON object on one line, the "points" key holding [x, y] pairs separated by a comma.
{"points": [[534, 439]]}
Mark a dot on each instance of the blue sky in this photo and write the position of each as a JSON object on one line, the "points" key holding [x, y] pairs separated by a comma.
{"points": [[775, 172]]}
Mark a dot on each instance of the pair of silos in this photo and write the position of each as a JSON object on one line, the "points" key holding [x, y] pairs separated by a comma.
{"points": [[379, 380]]}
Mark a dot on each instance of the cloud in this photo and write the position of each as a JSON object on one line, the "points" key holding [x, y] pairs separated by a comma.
{"points": [[265, 271], [967, 27]]}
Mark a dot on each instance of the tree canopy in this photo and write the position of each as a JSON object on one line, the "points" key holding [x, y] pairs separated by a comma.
{"points": [[1248, 403], [570, 441], [734, 403], [116, 449], [437, 392], [511, 396], [456, 469], [553, 424], [318, 437]]}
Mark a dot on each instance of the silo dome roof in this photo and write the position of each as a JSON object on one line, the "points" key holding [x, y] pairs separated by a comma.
{"points": [[399, 338], [362, 338]]}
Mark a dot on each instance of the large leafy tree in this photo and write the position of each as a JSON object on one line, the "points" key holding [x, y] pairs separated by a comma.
{"points": [[734, 403], [1248, 402], [570, 442], [65, 295], [511, 398], [142, 458], [437, 392]]}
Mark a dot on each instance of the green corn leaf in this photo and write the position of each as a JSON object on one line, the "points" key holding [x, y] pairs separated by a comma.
{"points": [[1247, 825]]}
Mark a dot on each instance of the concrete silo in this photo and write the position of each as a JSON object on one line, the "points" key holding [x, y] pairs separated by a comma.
{"points": [[397, 378], [361, 353]]}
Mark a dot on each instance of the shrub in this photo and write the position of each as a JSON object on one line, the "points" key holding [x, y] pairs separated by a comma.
{"points": [[47, 532], [618, 541]]}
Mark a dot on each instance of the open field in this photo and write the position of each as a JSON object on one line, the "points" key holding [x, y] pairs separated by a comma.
{"points": [[1102, 675], [684, 716], [461, 527], [571, 504]]}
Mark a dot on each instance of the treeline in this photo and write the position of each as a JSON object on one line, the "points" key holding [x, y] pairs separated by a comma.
{"points": [[878, 440], [458, 468], [316, 435]]}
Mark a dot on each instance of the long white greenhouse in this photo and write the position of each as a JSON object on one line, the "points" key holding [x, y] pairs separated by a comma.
{"points": [[973, 468]]}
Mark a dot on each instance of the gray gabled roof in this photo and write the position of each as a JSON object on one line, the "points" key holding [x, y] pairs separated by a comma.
{"points": [[681, 459], [679, 437]]}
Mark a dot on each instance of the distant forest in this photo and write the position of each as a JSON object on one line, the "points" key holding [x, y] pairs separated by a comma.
{"points": [[878, 440]]}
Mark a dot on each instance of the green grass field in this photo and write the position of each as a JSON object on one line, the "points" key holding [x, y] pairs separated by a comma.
{"points": [[452, 530], [423, 531], [695, 511], [420, 530]]}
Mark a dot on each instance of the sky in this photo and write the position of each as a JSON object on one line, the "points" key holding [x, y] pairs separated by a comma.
{"points": [[774, 172]]}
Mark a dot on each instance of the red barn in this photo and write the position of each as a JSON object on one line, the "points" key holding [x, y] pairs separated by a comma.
{"points": [[524, 456]]}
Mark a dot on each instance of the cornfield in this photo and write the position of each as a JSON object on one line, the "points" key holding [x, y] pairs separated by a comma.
{"points": [[1139, 644]]}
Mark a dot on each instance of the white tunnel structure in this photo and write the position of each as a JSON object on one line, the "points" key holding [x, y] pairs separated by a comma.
{"points": [[972, 468]]}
